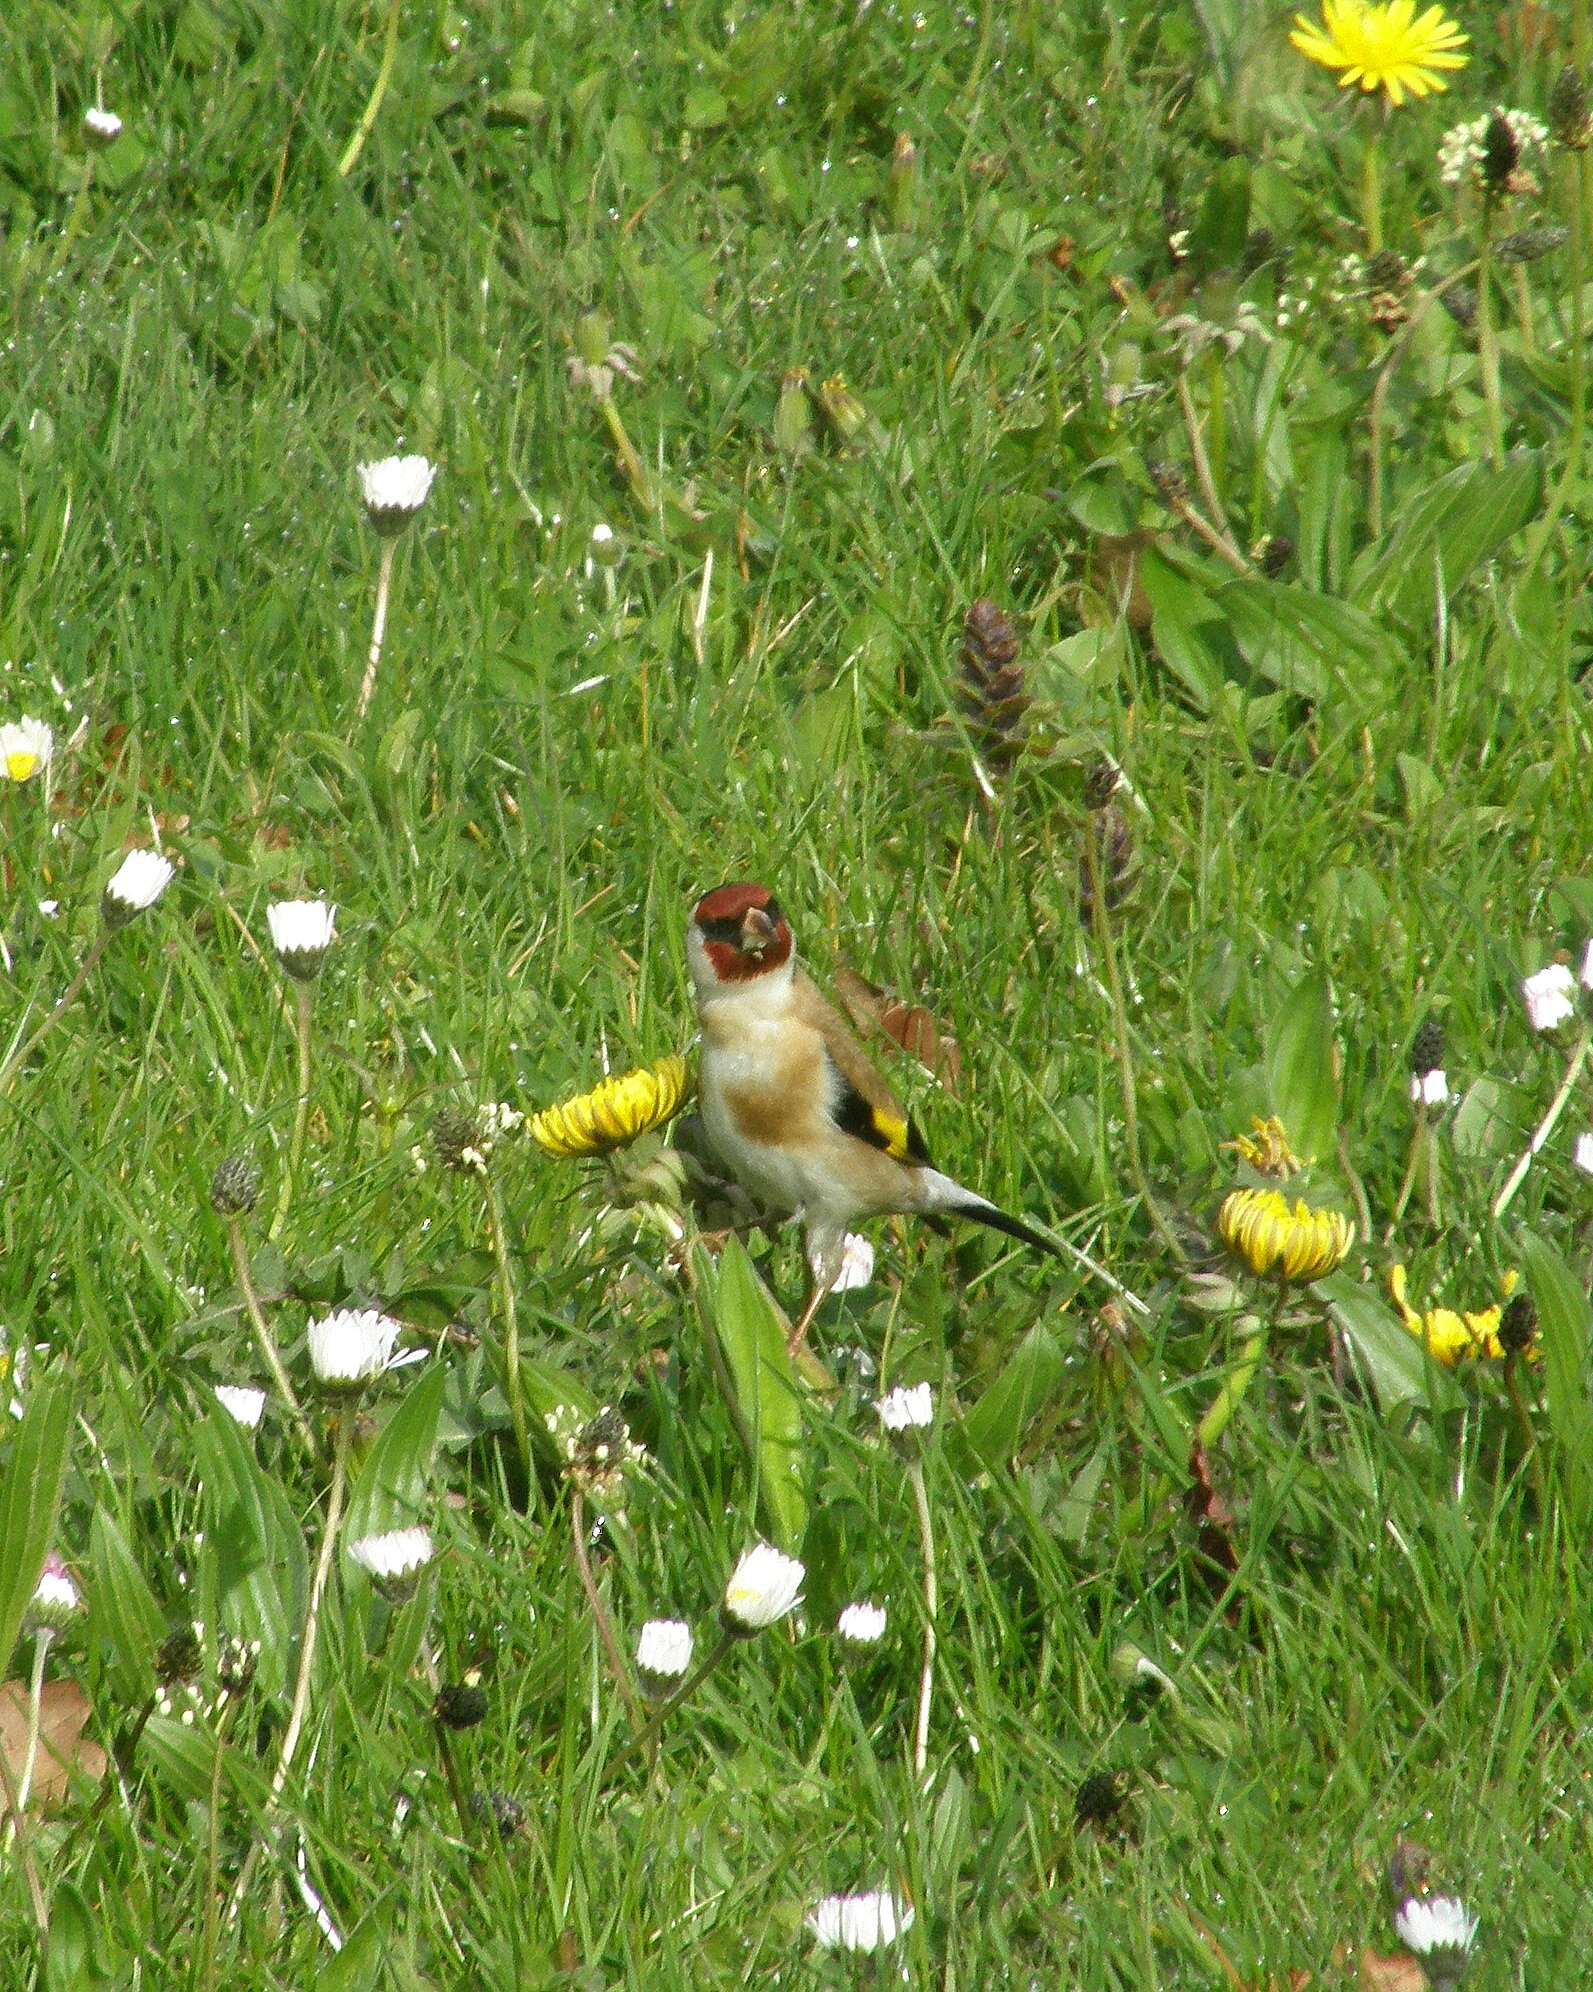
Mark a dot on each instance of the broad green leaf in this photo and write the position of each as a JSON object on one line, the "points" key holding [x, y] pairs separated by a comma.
{"points": [[994, 1427], [1300, 1075], [1305, 642], [748, 1333], [1400, 1368], [1074, 1510], [30, 1492], [1563, 1328], [393, 1489], [125, 1609], [1447, 530], [253, 1533], [358, 1965], [1189, 632]]}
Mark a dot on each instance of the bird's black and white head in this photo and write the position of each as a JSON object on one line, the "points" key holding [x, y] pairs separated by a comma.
{"points": [[738, 938]]}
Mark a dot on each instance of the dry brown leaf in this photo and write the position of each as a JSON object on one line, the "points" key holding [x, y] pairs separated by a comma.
{"points": [[1390, 1974], [63, 1748], [909, 1025]]}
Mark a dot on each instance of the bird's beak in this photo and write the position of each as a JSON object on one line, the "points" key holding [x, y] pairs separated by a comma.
{"points": [[757, 931]]}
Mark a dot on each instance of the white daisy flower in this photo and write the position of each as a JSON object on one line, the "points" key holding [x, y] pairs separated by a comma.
{"points": [[763, 1587], [135, 885], [56, 1600], [862, 1624], [394, 489], [663, 1653], [908, 1408], [301, 932], [1550, 996], [864, 1923], [246, 1405], [25, 747], [102, 128], [1441, 1931], [395, 1558], [351, 1347], [857, 1264]]}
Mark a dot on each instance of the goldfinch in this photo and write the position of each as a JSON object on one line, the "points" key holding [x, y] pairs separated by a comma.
{"points": [[789, 1099]]}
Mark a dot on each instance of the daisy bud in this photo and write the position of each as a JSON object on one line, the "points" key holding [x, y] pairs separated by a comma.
{"points": [[861, 1625], [301, 932], [606, 546], [461, 1704], [25, 747], [1440, 1931], [351, 1347], [235, 1188], [134, 886], [394, 489], [394, 1561], [1550, 996], [101, 129], [247, 1406], [764, 1586], [861, 1923], [663, 1654], [56, 1600]]}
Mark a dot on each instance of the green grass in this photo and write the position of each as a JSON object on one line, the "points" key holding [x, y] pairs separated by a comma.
{"points": [[1357, 799]]}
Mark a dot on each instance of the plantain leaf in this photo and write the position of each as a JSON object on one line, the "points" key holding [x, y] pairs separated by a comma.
{"points": [[1563, 1325], [125, 1608], [30, 1492], [1447, 530], [747, 1333], [1300, 1074], [994, 1427], [393, 1489], [262, 1571]]}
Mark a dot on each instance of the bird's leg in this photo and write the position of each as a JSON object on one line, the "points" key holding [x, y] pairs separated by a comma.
{"points": [[826, 1248]]}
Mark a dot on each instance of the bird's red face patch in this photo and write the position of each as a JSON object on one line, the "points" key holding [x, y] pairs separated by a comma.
{"points": [[744, 933]]}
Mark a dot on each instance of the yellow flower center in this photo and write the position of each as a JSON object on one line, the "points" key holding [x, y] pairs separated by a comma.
{"points": [[20, 763]]}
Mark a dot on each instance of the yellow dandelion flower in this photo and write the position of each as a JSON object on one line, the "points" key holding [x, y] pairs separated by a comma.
{"points": [[1452, 1337], [1266, 1148], [1383, 47], [614, 1113], [1277, 1240]]}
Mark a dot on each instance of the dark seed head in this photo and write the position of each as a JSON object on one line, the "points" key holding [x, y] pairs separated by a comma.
{"points": [[1427, 1047], [235, 1187], [1518, 1325], [460, 1704]]}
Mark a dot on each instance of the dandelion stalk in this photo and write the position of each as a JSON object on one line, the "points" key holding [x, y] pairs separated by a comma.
{"points": [[304, 992], [373, 105], [1241, 1374], [511, 1327], [1372, 189], [1546, 1126], [384, 584], [926, 1677], [1096, 872], [600, 1618], [312, 1612], [64, 1002]]}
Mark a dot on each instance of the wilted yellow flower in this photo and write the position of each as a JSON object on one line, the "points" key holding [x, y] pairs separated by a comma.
{"points": [[1266, 1148], [1454, 1338], [1274, 1238], [1383, 47], [614, 1113]]}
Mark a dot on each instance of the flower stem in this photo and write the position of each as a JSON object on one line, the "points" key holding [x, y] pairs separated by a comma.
{"points": [[312, 1611], [630, 463], [262, 1334], [212, 1914], [304, 994], [926, 1678], [1487, 341], [600, 1617], [68, 997], [1125, 1056], [511, 1327], [1238, 1380], [1546, 1126], [30, 1753], [30, 1871], [1372, 190], [647, 1736], [384, 584], [368, 116], [1529, 1436]]}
